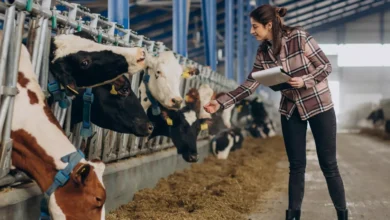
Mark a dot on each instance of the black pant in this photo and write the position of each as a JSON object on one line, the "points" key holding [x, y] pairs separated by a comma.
{"points": [[323, 127]]}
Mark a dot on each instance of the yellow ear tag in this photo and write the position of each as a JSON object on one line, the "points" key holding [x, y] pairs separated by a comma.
{"points": [[113, 90], [185, 74], [186, 98], [169, 121], [204, 126], [239, 108]]}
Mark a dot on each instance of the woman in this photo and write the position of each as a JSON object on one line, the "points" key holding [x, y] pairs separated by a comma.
{"points": [[308, 100]]}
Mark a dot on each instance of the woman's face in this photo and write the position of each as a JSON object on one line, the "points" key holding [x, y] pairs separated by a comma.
{"points": [[261, 32]]}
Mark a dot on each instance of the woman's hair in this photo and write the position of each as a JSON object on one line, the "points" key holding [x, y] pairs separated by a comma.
{"points": [[267, 13]]}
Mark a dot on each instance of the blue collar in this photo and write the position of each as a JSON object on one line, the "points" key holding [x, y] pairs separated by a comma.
{"points": [[60, 179], [155, 108], [86, 129]]}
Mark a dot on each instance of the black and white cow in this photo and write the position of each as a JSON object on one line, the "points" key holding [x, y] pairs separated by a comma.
{"points": [[77, 61], [261, 126], [181, 126], [226, 141]]}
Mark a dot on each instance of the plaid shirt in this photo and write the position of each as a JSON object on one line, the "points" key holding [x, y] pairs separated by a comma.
{"points": [[301, 57]]}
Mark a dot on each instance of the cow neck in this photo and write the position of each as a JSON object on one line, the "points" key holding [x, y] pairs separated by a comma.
{"points": [[155, 105], [38, 139]]}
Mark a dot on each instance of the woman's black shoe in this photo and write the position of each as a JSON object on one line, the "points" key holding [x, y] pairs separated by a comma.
{"points": [[293, 214], [342, 215]]}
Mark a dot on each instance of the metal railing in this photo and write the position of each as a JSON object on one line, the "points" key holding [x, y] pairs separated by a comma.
{"points": [[43, 22]]}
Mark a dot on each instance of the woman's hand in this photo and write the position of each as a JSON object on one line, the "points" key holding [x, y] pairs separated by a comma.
{"points": [[212, 107], [296, 82]]}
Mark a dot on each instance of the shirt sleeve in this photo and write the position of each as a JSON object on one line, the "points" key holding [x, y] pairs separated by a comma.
{"points": [[318, 58], [244, 90]]}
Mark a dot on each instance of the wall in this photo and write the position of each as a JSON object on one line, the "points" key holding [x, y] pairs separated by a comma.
{"points": [[359, 86]]}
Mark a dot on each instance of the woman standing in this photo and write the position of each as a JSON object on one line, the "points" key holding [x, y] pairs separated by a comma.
{"points": [[308, 101]]}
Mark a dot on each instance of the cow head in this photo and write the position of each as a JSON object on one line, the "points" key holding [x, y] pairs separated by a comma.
{"points": [[205, 94], [225, 142], [164, 81], [258, 110], [244, 113], [192, 100], [115, 107], [78, 61], [182, 127], [83, 196]]}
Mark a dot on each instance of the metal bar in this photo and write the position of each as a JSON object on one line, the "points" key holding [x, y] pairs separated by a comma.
{"points": [[354, 16], [209, 13], [229, 42], [240, 46], [180, 27], [36, 44], [41, 45], [382, 26], [11, 80], [7, 32], [119, 11]]}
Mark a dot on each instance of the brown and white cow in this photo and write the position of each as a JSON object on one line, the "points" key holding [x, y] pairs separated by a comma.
{"points": [[39, 143]]}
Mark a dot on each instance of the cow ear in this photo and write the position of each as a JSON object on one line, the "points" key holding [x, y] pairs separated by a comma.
{"points": [[81, 174]]}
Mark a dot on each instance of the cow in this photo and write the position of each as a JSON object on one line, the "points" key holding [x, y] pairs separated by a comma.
{"points": [[100, 65], [242, 114], [41, 149], [181, 126], [261, 120], [77, 61], [226, 141], [376, 116], [115, 107], [161, 81]]}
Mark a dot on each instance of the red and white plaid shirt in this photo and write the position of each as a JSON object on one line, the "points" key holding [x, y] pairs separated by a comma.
{"points": [[301, 57]]}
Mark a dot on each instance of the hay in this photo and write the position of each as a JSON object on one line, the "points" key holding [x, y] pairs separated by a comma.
{"points": [[215, 189]]}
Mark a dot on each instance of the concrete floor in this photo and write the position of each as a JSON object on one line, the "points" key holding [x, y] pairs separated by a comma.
{"points": [[364, 164]]}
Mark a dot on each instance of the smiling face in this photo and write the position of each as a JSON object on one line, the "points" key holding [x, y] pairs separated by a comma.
{"points": [[261, 32]]}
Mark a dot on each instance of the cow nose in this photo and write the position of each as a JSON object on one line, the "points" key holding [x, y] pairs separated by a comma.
{"points": [[150, 128], [193, 158], [177, 102]]}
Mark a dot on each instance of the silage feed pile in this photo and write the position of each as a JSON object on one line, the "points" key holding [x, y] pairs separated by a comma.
{"points": [[214, 189]]}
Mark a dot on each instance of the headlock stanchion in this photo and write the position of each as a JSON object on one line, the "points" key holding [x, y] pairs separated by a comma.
{"points": [[44, 21]]}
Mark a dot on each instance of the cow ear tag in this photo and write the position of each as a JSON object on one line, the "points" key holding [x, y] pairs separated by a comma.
{"points": [[187, 98], [186, 74], [239, 108], [204, 126], [113, 90], [169, 121]]}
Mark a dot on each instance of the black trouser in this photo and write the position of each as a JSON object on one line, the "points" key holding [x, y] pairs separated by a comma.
{"points": [[323, 127]]}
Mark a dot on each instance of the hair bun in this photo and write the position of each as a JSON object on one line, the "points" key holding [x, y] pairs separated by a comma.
{"points": [[281, 11]]}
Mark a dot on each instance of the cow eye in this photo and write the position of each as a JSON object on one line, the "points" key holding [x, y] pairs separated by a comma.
{"points": [[158, 72], [84, 63]]}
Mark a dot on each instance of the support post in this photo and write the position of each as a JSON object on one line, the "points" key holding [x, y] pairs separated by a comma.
{"points": [[240, 45], [119, 12], [249, 40], [180, 26], [209, 20], [229, 39]]}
